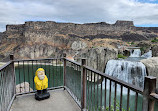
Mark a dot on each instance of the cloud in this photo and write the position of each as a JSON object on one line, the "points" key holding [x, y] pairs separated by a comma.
{"points": [[78, 11]]}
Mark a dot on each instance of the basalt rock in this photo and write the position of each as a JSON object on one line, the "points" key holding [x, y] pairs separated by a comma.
{"points": [[155, 50], [144, 47], [151, 66], [98, 57], [63, 35]]}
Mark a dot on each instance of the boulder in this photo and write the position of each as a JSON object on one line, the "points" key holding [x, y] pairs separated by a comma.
{"points": [[23, 87], [151, 66]]}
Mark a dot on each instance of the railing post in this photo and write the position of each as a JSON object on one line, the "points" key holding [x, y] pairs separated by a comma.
{"points": [[13, 80], [83, 85], [64, 70], [11, 57], [149, 87]]}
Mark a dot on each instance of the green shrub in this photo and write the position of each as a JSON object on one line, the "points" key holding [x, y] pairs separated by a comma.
{"points": [[154, 40], [121, 56], [132, 43]]}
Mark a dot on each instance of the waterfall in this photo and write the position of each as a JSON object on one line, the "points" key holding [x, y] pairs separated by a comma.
{"points": [[135, 53], [128, 71], [148, 54]]}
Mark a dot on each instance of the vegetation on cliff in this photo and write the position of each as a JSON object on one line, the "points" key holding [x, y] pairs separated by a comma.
{"points": [[154, 40]]}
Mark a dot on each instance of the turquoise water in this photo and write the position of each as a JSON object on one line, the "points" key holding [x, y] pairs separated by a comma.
{"points": [[26, 73]]}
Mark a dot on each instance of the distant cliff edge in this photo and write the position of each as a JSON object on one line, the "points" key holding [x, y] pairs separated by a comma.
{"points": [[44, 39]]}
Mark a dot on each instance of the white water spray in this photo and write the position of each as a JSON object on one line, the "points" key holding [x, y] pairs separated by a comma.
{"points": [[135, 53], [128, 71]]}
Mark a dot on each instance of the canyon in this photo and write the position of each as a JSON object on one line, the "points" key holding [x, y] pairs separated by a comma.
{"points": [[95, 41]]}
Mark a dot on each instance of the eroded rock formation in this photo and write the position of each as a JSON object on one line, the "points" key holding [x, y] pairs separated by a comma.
{"points": [[43, 39], [98, 57]]}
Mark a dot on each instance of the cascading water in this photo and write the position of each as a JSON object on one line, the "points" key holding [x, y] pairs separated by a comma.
{"points": [[148, 54], [128, 71], [135, 53]]}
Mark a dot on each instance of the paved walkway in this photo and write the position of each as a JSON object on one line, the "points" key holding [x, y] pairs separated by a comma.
{"points": [[59, 100]]}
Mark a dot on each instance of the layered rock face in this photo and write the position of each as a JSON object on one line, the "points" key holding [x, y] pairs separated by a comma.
{"points": [[151, 66], [43, 39], [98, 57]]}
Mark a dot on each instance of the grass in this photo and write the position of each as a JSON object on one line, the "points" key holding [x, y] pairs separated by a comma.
{"points": [[121, 56]]}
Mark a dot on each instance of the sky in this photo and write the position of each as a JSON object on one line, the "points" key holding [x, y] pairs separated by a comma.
{"points": [[142, 12]]}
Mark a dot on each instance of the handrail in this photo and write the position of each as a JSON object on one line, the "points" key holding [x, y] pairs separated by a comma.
{"points": [[79, 64], [19, 60], [125, 84], [154, 96], [5, 65]]}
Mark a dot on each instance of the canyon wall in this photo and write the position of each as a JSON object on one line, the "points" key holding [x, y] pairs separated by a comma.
{"points": [[40, 37]]}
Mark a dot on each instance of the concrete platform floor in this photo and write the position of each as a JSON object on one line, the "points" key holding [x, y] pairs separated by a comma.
{"points": [[59, 100]]}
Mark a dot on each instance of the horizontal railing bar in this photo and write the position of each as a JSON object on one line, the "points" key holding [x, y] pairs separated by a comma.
{"points": [[127, 85], [5, 65], [59, 87], [19, 60], [76, 63], [154, 96], [53, 88]]}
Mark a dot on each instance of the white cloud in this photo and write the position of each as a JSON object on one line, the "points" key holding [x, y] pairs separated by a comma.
{"points": [[78, 11]]}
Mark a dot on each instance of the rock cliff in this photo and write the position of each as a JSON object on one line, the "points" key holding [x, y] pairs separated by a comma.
{"points": [[98, 57], [151, 66], [44, 39]]}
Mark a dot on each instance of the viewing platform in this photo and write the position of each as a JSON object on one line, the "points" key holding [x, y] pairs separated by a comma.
{"points": [[59, 100], [72, 86]]}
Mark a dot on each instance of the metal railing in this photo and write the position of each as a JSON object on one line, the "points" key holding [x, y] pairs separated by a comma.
{"points": [[7, 85], [25, 73], [91, 89], [101, 92]]}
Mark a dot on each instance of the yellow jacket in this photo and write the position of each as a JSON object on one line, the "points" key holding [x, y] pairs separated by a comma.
{"points": [[40, 84]]}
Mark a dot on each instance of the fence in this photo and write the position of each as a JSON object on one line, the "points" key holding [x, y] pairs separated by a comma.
{"points": [[7, 85], [25, 72], [91, 89], [93, 97]]}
